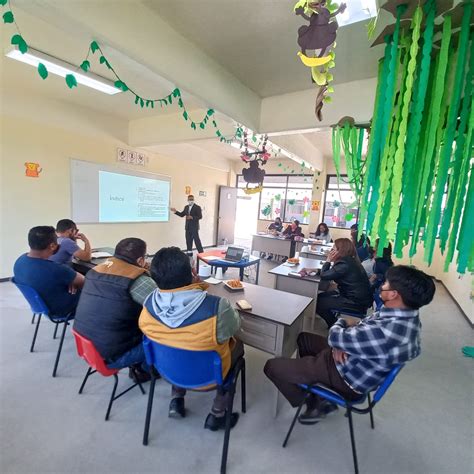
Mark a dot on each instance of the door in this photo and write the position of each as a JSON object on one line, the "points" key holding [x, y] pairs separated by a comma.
{"points": [[226, 215]]}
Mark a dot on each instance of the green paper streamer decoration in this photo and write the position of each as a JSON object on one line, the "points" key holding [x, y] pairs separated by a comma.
{"points": [[418, 186], [267, 210], [20, 42], [348, 217], [71, 81], [8, 17], [85, 65]]}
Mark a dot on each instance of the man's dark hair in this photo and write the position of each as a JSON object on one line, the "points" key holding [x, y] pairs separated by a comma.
{"points": [[415, 287], [297, 222], [130, 249], [171, 268], [64, 225], [41, 236]]}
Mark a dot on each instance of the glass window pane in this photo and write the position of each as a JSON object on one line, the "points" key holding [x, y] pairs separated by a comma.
{"points": [[271, 204], [304, 182], [298, 205], [333, 183]]}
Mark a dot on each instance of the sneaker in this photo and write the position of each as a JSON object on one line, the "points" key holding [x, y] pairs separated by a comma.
{"points": [[270, 257], [176, 409], [138, 375], [215, 423], [311, 416]]}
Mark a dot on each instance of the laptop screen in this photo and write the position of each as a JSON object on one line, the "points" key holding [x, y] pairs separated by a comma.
{"points": [[234, 253]]}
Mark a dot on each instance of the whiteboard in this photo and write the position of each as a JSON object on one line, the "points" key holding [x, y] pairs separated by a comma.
{"points": [[112, 194]]}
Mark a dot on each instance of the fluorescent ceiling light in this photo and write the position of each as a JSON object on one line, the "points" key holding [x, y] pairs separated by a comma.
{"points": [[61, 68], [357, 10]]}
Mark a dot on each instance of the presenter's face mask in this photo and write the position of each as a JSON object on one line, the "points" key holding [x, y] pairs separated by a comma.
{"points": [[190, 202]]}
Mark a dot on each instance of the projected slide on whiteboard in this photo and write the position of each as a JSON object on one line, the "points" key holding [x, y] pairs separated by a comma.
{"points": [[108, 194], [125, 198]]}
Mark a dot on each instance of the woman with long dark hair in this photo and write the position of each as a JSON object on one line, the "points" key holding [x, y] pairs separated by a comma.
{"points": [[353, 288], [322, 233]]}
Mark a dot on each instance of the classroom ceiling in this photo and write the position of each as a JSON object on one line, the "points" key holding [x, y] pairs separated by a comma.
{"points": [[256, 42]]}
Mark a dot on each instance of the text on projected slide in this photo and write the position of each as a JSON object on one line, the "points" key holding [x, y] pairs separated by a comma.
{"points": [[125, 198]]}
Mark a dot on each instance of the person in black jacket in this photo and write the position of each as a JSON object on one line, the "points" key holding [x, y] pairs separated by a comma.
{"points": [[110, 305], [362, 245], [293, 230], [353, 288], [193, 214]]}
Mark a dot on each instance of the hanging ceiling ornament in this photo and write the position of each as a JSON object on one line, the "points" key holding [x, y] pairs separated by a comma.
{"points": [[319, 35]]}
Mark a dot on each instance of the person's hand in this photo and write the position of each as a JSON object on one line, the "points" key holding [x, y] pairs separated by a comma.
{"points": [[189, 218], [332, 255], [307, 271], [72, 289], [196, 277], [339, 356], [350, 321], [172, 209], [146, 265], [373, 278], [81, 236]]}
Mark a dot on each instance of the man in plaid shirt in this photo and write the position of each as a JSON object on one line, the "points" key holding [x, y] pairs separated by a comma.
{"points": [[358, 354]]}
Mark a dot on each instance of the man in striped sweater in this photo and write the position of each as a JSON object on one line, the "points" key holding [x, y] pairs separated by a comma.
{"points": [[358, 354]]}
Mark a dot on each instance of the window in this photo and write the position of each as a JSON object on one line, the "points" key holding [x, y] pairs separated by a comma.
{"points": [[285, 196], [341, 208]]}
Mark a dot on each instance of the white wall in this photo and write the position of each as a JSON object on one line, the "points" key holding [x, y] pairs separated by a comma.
{"points": [[51, 134]]}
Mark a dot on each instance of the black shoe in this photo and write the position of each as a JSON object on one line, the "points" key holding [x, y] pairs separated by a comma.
{"points": [[284, 259], [311, 416], [138, 375], [177, 409], [270, 257], [215, 423]]}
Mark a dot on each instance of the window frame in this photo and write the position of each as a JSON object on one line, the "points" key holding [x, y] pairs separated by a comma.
{"points": [[326, 190], [283, 189]]}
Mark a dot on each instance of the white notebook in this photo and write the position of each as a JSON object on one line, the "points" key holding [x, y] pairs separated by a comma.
{"points": [[100, 254]]}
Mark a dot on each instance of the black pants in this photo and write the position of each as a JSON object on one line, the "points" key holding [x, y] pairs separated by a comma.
{"points": [[316, 364], [329, 300], [193, 234]]}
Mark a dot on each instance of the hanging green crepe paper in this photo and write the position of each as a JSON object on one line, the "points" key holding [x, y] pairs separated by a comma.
{"points": [[410, 172], [450, 130], [466, 240], [432, 135], [453, 189]]}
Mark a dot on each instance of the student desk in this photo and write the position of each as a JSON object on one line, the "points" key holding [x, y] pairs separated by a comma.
{"points": [[219, 263], [84, 267], [317, 254], [300, 245], [273, 323], [271, 244]]}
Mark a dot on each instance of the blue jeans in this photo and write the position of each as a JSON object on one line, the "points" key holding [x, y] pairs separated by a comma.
{"points": [[134, 356]]}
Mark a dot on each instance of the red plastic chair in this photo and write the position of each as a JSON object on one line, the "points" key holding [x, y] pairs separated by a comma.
{"points": [[87, 351]]}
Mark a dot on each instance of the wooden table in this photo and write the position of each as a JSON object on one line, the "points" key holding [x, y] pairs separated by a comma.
{"points": [[273, 323], [220, 263], [271, 244]]}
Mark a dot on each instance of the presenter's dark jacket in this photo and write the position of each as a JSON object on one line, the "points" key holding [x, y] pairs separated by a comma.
{"points": [[351, 278], [195, 212], [106, 313]]}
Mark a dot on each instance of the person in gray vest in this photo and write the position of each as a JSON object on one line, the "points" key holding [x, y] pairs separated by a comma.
{"points": [[110, 304]]}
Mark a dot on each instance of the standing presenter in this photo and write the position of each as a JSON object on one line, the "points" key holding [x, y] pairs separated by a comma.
{"points": [[193, 214]]}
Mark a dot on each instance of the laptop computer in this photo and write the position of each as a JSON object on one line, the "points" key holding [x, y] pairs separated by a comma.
{"points": [[233, 254]]}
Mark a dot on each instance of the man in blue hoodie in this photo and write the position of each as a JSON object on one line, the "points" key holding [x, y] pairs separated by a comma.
{"points": [[180, 313]]}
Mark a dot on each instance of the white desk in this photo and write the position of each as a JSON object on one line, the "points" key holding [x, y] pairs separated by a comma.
{"points": [[271, 244]]}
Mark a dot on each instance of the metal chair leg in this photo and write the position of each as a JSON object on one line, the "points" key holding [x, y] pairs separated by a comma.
{"points": [[354, 450], [66, 324], [33, 318], [55, 331], [89, 372], [112, 397], [149, 408], [294, 421], [243, 388], [36, 332], [228, 419], [136, 378], [372, 424]]}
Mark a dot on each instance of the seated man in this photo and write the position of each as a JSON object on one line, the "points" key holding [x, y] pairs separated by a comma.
{"points": [[346, 362], [68, 234], [181, 314], [57, 285], [111, 303]]}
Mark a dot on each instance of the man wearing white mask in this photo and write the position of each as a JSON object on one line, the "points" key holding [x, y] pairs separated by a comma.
{"points": [[193, 214]]}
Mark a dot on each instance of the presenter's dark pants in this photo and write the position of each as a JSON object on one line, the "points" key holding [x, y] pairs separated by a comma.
{"points": [[316, 364], [193, 234]]}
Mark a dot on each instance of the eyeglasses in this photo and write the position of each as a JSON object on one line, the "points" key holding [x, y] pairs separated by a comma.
{"points": [[388, 289]]}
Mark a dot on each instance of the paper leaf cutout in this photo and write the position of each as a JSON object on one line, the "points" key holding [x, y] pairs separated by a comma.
{"points": [[291, 202], [122, 86], [278, 197], [94, 46], [3, 2], [348, 217], [176, 92], [20, 42], [85, 66], [71, 81], [8, 17], [42, 71], [336, 203]]}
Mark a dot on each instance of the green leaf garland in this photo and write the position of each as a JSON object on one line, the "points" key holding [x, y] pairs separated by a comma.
{"points": [[42, 71], [71, 81]]}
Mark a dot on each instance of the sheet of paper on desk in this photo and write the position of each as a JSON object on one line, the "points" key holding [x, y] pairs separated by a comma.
{"points": [[213, 281], [211, 257], [100, 254]]}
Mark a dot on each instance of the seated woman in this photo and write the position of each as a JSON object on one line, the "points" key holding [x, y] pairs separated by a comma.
{"points": [[381, 265], [293, 230], [353, 288], [362, 245], [322, 233], [274, 227]]}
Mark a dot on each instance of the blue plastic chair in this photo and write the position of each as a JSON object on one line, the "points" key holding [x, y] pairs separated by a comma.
{"points": [[39, 308], [193, 370], [350, 405]]}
